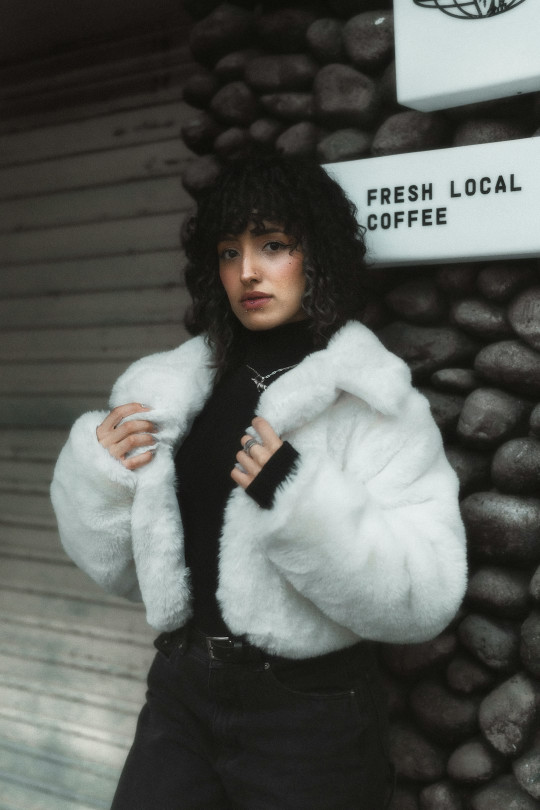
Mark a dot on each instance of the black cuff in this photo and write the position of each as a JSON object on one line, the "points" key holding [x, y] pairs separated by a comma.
{"points": [[263, 487]]}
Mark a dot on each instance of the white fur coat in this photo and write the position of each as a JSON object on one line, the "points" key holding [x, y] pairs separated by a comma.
{"points": [[364, 540]]}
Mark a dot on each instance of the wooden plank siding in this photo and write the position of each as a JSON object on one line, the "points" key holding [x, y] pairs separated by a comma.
{"points": [[91, 206]]}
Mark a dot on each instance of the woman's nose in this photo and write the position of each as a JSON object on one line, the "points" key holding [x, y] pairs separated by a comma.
{"points": [[249, 270]]}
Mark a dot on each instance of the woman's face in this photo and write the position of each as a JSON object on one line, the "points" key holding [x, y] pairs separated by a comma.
{"points": [[263, 276]]}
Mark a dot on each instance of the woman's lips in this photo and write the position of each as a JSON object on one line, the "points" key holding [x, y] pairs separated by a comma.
{"points": [[255, 301]]}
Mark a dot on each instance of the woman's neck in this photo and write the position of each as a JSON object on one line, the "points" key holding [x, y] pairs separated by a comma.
{"points": [[282, 346]]}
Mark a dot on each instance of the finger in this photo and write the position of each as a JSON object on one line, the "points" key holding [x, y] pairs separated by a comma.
{"points": [[243, 479], [133, 426], [267, 433], [131, 442], [256, 451], [117, 414], [134, 462], [250, 465]]}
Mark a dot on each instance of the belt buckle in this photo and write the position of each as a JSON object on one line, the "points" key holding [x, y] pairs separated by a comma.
{"points": [[224, 648], [211, 640]]}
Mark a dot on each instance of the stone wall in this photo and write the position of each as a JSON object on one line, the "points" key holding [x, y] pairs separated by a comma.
{"points": [[465, 707]]}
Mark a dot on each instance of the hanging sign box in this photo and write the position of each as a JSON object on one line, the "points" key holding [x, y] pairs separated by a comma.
{"points": [[454, 52], [467, 203]]}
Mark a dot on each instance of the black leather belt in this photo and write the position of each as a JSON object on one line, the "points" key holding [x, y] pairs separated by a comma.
{"points": [[232, 649]]}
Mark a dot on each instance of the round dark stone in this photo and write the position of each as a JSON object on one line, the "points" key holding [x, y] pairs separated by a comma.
{"points": [[344, 96], [387, 89], [524, 315], [285, 29], [427, 348], [475, 762], [527, 769], [200, 8], [395, 692], [490, 416], [413, 756], [226, 29], [500, 591], [440, 796], [404, 798], [266, 130], [289, 106], [482, 319], [534, 587], [445, 409], [513, 107], [516, 466], [325, 40], [511, 364], [200, 132], [495, 642], [344, 144], [534, 422], [418, 300], [487, 131], [458, 380], [503, 528], [457, 279], [504, 793], [232, 143], [235, 104], [409, 131], [346, 8], [530, 643], [407, 660], [200, 174], [468, 675], [300, 139], [369, 39], [510, 713], [233, 65], [501, 280], [278, 72], [445, 716], [199, 88], [472, 468]]}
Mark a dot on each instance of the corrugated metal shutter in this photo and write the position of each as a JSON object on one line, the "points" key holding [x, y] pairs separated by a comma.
{"points": [[90, 209]]}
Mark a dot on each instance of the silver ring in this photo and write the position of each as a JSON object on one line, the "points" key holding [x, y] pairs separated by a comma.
{"points": [[249, 444]]}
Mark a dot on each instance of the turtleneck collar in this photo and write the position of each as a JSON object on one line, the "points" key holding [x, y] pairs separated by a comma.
{"points": [[282, 346]]}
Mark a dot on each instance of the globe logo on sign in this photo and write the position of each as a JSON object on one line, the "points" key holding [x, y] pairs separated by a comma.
{"points": [[470, 9]]}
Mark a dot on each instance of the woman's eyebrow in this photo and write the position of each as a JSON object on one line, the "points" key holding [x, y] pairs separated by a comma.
{"points": [[259, 230]]}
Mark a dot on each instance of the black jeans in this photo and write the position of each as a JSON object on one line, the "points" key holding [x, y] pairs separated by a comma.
{"points": [[273, 734]]}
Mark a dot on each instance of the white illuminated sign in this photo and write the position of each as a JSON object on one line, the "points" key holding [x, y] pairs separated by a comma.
{"points": [[448, 205], [453, 52]]}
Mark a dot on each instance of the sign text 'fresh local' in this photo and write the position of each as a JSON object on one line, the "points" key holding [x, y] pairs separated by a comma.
{"points": [[459, 204]]}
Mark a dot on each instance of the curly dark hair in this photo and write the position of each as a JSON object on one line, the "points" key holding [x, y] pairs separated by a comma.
{"points": [[312, 208]]}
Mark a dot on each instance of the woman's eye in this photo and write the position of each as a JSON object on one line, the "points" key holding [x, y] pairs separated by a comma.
{"points": [[228, 254], [274, 246]]}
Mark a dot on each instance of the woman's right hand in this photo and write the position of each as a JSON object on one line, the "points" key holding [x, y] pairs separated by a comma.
{"points": [[120, 439]]}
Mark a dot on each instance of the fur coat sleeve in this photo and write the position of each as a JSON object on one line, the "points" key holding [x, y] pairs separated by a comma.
{"points": [[92, 494], [370, 533]]}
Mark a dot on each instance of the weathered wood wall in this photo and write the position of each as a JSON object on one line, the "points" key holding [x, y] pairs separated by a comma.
{"points": [[91, 205]]}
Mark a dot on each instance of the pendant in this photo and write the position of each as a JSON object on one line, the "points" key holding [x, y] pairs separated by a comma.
{"points": [[259, 383]]}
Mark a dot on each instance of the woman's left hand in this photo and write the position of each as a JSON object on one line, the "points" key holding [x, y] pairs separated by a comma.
{"points": [[258, 455]]}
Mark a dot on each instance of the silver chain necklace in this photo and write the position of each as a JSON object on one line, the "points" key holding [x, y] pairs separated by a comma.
{"points": [[259, 378]]}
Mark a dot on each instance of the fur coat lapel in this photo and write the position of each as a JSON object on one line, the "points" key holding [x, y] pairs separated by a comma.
{"points": [[177, 383]]}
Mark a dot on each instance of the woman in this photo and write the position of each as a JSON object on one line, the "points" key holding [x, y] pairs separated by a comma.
{"points": [[272, 557]]}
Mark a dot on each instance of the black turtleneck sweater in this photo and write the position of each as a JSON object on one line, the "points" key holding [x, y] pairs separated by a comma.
{"points": [[206, 457]]}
